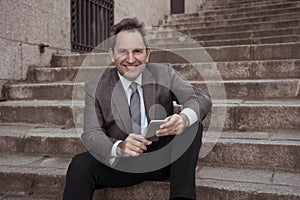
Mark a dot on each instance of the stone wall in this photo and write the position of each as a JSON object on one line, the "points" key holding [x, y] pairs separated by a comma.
{"points": [[150, 11], [192, 6], [24, 25]]}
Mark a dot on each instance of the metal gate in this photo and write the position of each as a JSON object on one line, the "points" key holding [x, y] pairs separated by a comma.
{"points": [[91, 23]]}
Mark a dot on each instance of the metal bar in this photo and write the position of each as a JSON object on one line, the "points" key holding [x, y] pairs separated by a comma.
{"points": [[91, 22]]}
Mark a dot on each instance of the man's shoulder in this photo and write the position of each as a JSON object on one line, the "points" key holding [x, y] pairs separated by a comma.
{"points": [[159, 68], [103, 79], [158, 65]]}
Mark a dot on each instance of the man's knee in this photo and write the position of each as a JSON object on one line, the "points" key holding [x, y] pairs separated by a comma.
{"points": [[81, 165]]}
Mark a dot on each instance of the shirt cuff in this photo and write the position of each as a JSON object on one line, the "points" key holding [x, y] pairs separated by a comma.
{"points": [[114, 148], [191, 115]]}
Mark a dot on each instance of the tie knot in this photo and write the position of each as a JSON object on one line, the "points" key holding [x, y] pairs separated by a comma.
{"points": [[133, 86]]}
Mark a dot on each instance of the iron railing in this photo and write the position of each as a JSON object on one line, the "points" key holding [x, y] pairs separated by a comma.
{"points": [[91, 23]]}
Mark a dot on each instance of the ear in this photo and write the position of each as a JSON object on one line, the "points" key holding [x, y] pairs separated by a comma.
{"points": [[111, 53], [148, 54]]}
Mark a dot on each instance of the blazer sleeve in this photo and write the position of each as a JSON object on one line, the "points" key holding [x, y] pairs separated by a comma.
{"points": [[188, 96], [94, 138]]}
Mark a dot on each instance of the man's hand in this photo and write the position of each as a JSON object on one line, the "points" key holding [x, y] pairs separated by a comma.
{"points": [[133, 145], [174, 125]]}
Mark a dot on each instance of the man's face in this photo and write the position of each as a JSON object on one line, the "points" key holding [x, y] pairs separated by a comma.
{"points": [[130, 54]]}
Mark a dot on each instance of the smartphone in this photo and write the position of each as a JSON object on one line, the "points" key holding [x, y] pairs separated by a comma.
{"points": [[152, 128]]}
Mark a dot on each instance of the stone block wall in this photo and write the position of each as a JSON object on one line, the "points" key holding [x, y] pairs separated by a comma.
{"points": [[150, 11], [25, 24]]}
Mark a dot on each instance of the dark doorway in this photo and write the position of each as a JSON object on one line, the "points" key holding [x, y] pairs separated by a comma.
{"points": [[177, 6]]}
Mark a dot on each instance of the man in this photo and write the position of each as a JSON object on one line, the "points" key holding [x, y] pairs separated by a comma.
{"points": [[118, 108]]}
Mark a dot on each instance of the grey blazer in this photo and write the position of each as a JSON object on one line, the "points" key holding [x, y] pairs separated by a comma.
{"points": [[106, 114]]}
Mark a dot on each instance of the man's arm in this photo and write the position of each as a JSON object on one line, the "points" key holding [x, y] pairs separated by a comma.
{"points": [[194, 102], [94, 138]]}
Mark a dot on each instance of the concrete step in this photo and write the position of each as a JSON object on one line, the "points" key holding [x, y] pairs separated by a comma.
{"points": [[31, 175], [44, 91], [228, 53], [235, 89], [192, 55], [242, 5], [272, 69], [231, 22], [40, 140], [219, 182], [29, 197], [159, 44], [200, 17], [253, 89], [219, 148], [205, 12], [246, 34], [58, 113], [234, 114], [226, 2], [194, 30], [252, 34], [57, 74]]}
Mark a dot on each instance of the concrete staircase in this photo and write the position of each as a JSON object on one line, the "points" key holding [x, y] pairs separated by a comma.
{"points": [[254, 45]]}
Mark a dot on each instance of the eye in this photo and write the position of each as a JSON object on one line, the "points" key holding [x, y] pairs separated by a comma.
{"points": [[122, 51], [138, 51]]}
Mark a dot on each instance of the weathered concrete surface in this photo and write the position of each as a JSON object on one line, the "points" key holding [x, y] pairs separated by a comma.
{"points": [[235, 89], [24, 26], [212, 181], [193, 55], [258, 19], [201, 16], [227, 148], [269, 69], [240, 115]]}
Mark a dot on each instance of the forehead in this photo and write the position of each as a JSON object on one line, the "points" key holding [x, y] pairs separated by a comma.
{"points": [[129, 40]]}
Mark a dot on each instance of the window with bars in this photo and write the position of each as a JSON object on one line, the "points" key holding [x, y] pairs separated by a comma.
{"points": [[91, 23]]}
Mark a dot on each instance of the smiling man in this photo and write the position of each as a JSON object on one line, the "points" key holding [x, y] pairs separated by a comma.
{"points": [[118, 108]]}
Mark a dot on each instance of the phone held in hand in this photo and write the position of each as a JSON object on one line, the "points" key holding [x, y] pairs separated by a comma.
{"points": [[152, 128]]}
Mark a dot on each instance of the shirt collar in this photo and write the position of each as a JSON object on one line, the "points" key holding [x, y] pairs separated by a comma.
{"points": [[126, 83]]}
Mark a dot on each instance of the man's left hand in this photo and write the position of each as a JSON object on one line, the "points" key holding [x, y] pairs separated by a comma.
{"points": [[174, 125]]}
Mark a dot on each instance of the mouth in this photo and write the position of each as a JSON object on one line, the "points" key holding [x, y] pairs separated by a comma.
{"points": [[131, 67]]}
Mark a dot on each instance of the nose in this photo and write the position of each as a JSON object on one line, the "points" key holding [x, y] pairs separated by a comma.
{"points": [[130, 57]]}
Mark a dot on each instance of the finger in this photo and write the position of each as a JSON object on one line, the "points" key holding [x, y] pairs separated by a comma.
{"points": [[129, 153], [139, 138], [132, 148], [173, 130], [140, 145], [127, 148], [170, 121]]}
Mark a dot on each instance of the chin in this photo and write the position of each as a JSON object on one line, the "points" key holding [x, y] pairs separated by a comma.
{"points": [[131, 75]]}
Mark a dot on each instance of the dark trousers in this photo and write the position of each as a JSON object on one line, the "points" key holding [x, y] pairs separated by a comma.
{"points": [[86, 174]]}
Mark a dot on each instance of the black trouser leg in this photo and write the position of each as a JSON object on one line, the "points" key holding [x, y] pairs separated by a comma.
{"points": [[80, 179], [182, 176], [86, 174]]}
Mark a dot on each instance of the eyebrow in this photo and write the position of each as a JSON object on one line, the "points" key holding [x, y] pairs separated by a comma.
{"points": [[139, 48]]}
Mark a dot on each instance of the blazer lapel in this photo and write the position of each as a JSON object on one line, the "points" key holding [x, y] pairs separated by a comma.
{"points": [[149, 91], [119, 104]]}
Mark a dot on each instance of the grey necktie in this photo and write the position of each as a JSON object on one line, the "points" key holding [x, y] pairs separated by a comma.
{"points": [[135, 109]]}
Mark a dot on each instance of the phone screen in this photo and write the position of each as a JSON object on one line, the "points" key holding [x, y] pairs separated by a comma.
{"points": [[152, 128]]}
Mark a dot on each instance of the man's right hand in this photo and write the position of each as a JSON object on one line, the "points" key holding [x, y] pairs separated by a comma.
{"points": [[133, 145]]}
